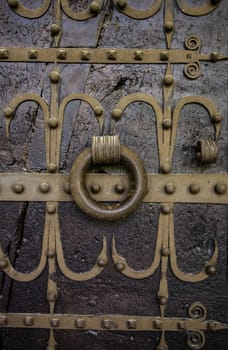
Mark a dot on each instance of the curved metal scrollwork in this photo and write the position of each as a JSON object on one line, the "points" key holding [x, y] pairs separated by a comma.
{"points": [[132, 12], [198, 10], [91, 11], [23, 11]]}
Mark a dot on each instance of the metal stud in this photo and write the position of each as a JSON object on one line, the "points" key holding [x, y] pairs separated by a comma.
{"points": [[165, 251], [50, 253], [101, 262], [18, 188], [3, 263], [194, 188], [107, 324], [121, 4], [220, 188], [95, 188], [116, 113], [61, 54], [138, 55], [119, 188], [44, 187], [162, 300], [165, 168], [52, 167], [8, 112], [55, 29], [131, 324], [170, 188], [112, 54], [157, 324], [33, 54], [51, 296], [94, 8], [211, 269], [168, 80], [54, 77], [181, 325], [214, 56], [85, 55], [66, 187], [55, 322], [212, 326], [167, 124], [164, 56], [168, 26], [4, 53], [51, 208], [120, 266], [29, 321], [3, 321], [217, 117], [13, 3], [53, 123], [98, 111], [80, 323], [165, 209]]}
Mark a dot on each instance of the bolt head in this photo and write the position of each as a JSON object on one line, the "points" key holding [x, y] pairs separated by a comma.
{"points": [[168, 80], [164, 56], [167, 123], [85, 55], [28, 321], [51, 296], [120, 266], [8, 112], [165, 209], [3, 321], [170, 188], [51, 208], [61, 54], [94, 8], [55, 29], [52, 167], [116, 113], [54, 77], [55, 322], [66, 187], [101, 262], [53, 123], [13, 3], [194, 188], [119, 188], [121, 4], [165, 251], [162, 300], [168, 26], [138, 55], [50, 253], [80, 323], [112, 54], [98, 111], [3, 263], [165, 168], [217, 117], [18, 188], [95, 188], [211, 269], [33, 53], [131, 324], [44, 187], [107, 324], [220, 188]]}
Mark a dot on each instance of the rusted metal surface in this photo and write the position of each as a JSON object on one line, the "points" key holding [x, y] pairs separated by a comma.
{"points": [[166, 188]]}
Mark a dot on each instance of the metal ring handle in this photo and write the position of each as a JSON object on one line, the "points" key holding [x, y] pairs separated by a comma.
{"points": [[81, 195]]}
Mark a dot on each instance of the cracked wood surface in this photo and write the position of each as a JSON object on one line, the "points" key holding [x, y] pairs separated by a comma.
{"points": [[195, 225]]}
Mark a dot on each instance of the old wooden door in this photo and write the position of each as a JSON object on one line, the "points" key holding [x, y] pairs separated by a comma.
{"points": [[154, 72]]}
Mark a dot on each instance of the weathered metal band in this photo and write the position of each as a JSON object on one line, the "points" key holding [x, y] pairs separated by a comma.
{"points": [[104, 55], [106, 322], [175, 188]]}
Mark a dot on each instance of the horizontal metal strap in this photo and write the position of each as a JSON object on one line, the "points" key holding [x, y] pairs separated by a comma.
{"points": [[106, 322], [175, 188], [100, 55]]}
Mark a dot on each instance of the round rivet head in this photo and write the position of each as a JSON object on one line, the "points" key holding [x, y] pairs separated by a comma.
{"points": [[52, 167], [8, 112], [94, 8], [13, 3], [168, 26], [51, 208], [44, 187], [217, 117], [3, 263], [116, 113], [55, 29], [121, 4], [165, 168], [95, 188], [211, 269], [194, 188], [165, 209], [220, 188], [120, 266], [168, 80], [162, 300], [50, 253], [119, 188], [165, 251], [18, 188], [98, 111], [170, 188], [166, 123], [101, 262], [28, 321], [51, 296], [53, 123], [54, 76], [66, 187]]}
